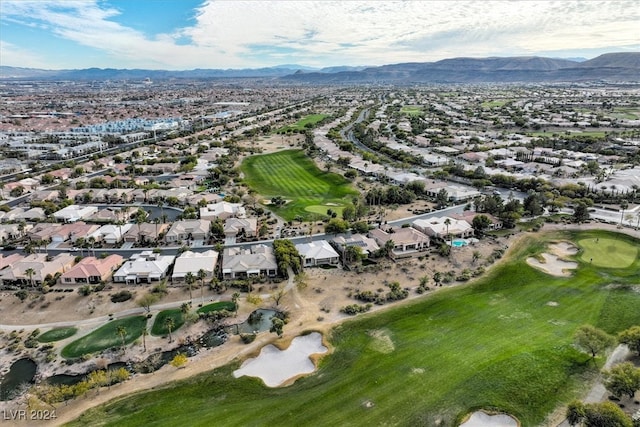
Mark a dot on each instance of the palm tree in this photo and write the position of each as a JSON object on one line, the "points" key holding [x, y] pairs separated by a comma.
{"points": [[92, 242], [156, 221], [145, 332], [234, 299], [447, 222], [30, 272], [202, 275], [170, 324], [475, 257], [122, 332], [190, 279], [623, 205]]}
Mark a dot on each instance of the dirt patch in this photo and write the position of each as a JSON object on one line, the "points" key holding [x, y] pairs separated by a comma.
{"points": [[382, 341]]}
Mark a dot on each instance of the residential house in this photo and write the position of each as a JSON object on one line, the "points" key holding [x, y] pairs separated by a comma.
{"points": [[13, 231], [406, 241], [33, 214], [42, 231], [145, 232], [92, 270], [73, 231], [234, 227], [113, 214], [144, 267], [317, 253], [74, 213], [367, 244], [193, 262], [222, 210], [209, 198], [110, 234], [44, 195], [10, 260], [239, 262], [33, 269], [443, 227], [196, 229], [496, 223]]}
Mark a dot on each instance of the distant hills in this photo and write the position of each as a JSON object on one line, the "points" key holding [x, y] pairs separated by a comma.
{"points": [[611, 67]]}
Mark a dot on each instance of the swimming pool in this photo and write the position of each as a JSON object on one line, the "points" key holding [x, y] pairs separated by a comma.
{"points": [[458, 243]]}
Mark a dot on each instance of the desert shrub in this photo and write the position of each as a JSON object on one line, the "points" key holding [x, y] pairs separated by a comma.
{"points": [[121, 296]]}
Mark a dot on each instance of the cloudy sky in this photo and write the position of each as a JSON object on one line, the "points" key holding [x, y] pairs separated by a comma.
{"points": [[187, 34]]}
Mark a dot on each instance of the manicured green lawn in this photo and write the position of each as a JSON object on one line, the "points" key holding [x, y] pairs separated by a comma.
{"points": [[57, 334], [292, 175], [159, 325], [494, 103], [411, 110], [217, 306], [606, 252], [106, 337], [301, 124], [504, 342]]}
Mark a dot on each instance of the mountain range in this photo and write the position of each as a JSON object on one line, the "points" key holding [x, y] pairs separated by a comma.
{"points": [[619, 67]]}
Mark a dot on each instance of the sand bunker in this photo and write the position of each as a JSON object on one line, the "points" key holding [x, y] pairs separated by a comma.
{"points": [[552, 264], [563, 249], [275, 366], [482, 419]]}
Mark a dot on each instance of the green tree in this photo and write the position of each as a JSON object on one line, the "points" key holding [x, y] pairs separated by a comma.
{"points": [[631, 337], [575, 412], [580, 212], [146, 301], [605, 414], [622, 379], [277, 326], [592, 340], [336, 226], [480, 223]]}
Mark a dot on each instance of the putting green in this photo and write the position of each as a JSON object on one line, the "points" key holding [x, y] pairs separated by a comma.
{"points": [[606, 252], [322, 209]]}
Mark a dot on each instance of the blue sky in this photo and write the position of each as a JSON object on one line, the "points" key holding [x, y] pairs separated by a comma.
{"points": [[187, 34]]}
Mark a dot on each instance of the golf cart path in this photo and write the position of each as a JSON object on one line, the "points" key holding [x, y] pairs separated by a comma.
{"points": [[598, 392]]}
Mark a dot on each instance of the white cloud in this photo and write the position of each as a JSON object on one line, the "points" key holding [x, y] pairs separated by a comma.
{"points": [[259, 33]]}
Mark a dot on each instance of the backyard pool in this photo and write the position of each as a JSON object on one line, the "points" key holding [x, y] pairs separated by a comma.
{"points": [[458, 243]]}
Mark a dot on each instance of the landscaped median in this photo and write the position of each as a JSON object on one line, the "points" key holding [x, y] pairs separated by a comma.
{"points": [[504, 342], [106, 336]]}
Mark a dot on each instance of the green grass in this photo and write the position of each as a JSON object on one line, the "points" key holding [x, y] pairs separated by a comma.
{"points": [[57, 334], [160, 327], [301, 124], [106, 337], [495, 343], [495, 103], [411, 110], [217, 306], [606, 252], [292, 175]]}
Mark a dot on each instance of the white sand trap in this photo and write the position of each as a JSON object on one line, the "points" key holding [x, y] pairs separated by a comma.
{"points": [[275, 366], [563, 248], [482, 419], [553, 265]]}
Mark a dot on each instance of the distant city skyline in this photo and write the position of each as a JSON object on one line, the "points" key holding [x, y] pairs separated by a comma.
{"points": [[187, 34]]}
